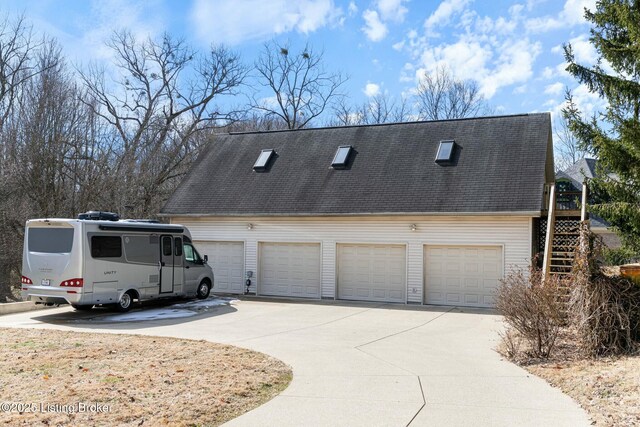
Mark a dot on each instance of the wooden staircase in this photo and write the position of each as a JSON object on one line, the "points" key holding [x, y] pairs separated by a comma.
{"points": [[566, 237], [560, 230]]}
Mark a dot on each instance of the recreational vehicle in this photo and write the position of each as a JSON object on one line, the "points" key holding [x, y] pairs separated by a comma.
{"points": [[99, 259]]}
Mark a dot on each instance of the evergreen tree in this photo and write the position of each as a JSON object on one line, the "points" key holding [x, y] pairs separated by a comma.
{"points": [[613, 135]]}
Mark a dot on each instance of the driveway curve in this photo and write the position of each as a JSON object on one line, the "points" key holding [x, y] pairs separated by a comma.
{"points": [[361, 364]]}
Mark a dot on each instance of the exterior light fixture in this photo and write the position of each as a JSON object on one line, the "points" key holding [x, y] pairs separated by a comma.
{"points": [[413, 227], [249, 226]]}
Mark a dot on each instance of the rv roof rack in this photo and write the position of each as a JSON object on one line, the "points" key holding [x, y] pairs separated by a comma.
{"points": [[99, 216], [146, 221]]}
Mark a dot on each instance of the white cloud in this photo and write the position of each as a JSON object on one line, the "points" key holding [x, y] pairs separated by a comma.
{"points": [[398, 46], [234, 22], [465, 58], [549, 73], [442, 15], [107, 16], [490, 51], [583, 50], [376, 19], [374, 29], [588, 103], [554, 88], [561, 70], [392, 10], [371, 89], [352, 8], [514, 65], [520, 89], [572, 14]]}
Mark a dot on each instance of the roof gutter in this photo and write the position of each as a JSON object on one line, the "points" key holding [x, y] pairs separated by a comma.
{"points": [[280, 215]]}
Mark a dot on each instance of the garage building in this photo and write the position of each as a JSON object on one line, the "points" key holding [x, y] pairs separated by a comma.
{"points": [[422, 212]]}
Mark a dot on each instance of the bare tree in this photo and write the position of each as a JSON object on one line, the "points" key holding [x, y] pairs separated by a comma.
{"points": [[43, 128], [344, 114], [378, 109], [163, 95], [567, 148], [16, 65], [441, 96], [254, 121], [302, 89], [17, 68]]}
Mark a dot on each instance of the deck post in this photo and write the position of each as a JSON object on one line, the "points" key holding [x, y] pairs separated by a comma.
{"points": [[583, 208], [548, 241]]}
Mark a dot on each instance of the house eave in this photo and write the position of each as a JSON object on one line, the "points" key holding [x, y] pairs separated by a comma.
{"points": [[355, 214]]}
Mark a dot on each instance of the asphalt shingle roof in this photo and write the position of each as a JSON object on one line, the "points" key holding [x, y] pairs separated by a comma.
{"points": [[583, 168], [499, 166], [577, 172]]}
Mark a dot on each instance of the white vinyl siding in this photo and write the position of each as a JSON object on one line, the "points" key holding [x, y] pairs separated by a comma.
{"points": [[328, 269], [462, 275], [227, 261], [372, 272], [512, 233], [290, 269]]}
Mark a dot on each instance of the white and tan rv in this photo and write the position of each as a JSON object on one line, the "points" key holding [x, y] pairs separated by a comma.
{"points": [[98, 259]]}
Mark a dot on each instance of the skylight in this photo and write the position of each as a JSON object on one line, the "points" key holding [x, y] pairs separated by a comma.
{"points": [[341, 158], [263, 160], [445, 151]]}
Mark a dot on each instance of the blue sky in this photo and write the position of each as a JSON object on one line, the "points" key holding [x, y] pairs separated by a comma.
{"points": [[511, 48]]}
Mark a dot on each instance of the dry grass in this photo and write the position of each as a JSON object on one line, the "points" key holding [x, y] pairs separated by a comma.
{"points": [[608, 389], [146, 381]]}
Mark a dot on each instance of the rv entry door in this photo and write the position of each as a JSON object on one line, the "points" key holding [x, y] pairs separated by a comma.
{"points": [[166, 264]]}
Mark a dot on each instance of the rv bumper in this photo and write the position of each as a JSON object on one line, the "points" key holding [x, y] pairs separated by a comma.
{"points": [[52, 296]]}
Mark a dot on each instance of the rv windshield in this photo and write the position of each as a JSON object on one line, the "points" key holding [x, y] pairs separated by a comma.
{"points": [[50, 240]]}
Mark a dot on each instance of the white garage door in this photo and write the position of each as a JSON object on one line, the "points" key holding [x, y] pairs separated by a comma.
{"points": [[290, 269], [227, 261], [462, 275], [372, 272]]}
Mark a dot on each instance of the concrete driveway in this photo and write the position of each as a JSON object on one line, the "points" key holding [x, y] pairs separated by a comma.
{"points": [[362, 364]]}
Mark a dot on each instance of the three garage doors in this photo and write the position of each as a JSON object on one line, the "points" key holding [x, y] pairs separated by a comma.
{"points": [[453, 275]]}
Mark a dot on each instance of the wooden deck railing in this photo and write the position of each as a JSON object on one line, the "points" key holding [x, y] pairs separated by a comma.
{"points": [[568, 200]]}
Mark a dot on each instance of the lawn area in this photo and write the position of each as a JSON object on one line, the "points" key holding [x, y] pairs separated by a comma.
{"points": [[138, 380], [608, 389]]}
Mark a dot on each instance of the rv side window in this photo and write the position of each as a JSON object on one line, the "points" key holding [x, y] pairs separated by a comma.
{"points": [[178, 246], [166, 246], [106, 246], [141, 249], [191, 255], [188, 253]]}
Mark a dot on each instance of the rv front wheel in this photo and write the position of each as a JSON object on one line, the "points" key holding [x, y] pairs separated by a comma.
{"points": [[82, 307], [125, 301], [203, 290]]}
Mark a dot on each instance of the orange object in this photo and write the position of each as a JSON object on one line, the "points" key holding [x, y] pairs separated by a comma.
{"points": [[631, 271]]}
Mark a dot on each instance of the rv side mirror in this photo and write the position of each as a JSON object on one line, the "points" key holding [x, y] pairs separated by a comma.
{"points": [[206, 259]]}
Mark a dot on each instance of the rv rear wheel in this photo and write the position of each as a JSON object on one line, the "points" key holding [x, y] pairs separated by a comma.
{"points": [[204, 288], [81, 307], [125, 302]]}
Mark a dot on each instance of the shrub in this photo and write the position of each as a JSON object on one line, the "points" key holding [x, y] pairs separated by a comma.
{"points": [[605, 311], [533, 308], [618, 256]]}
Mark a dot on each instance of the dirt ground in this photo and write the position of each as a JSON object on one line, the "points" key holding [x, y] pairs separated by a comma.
{"points": [[72, 378], [608, 389]]}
